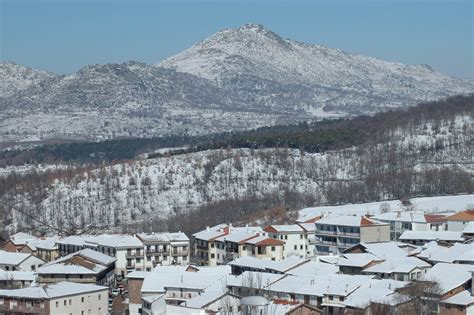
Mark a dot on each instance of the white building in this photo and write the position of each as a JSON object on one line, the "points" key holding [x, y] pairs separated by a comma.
{"points": [[401, 221], [56, 299], [165, 249], [459, 221], [334, 234], [296, 237], [19, 261]]}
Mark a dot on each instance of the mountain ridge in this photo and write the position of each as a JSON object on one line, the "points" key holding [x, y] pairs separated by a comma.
{"points": [[236, 79]]}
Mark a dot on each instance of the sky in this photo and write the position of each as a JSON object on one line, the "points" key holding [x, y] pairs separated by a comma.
{"points": [[63, 36]]}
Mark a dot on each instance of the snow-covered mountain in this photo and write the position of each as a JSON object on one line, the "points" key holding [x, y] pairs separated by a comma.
{"points": [[236, 79], [15, 78], [256, 62]]}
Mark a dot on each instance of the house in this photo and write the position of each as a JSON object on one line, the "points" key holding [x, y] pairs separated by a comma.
{"points": [[400, 268], [334, 234], [126, 249], [352, 263], [459, 221], [47, 249], [153, 305], [461, 303], [165, 249], [468, 231], [84, 266], [248, 263], [295, 236], [56, 299], [16, 279], [423, 237], [10, 261], [401, 221], [451, 278], [458, 253], [222, 243], [205, 248], [264, 247], [18, 243]]}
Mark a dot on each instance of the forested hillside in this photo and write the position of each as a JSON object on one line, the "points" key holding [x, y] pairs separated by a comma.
{"points": [[423, 151]]}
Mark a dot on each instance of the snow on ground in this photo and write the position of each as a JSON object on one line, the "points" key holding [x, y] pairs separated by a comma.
{"points": [[436, 204]]}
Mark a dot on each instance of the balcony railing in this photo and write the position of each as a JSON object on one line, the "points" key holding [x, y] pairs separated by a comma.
{"points": [[180, 253], [324, 232]]}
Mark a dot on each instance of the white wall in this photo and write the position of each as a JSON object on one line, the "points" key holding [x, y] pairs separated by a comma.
{"points": [[92, 305]]}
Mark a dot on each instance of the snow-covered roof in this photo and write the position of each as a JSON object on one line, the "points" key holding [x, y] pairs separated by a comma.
{"points": [[313, 268], [402, 216], [349, 220], [210, 295], [211, 233], [357, 259], [263, 264], [375, 289], [236, 236], [432, 236], [458, 252], [152, 298], [95, 256], [397, 265], [462, 298], [118, 241], [426, 204], [163, 237], [158, 280], [12, 259], [62, 268], [262, 240], [334, 284], [469, 229], [17, 275], [253, 279], [308, 227], [449, 276], [53, 290], [288, 228], [383, 250]]}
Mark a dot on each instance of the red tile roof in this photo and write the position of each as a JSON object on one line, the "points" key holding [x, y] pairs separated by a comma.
{"points": [[467, 215]]}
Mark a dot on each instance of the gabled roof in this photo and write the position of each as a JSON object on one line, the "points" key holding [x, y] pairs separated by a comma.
{"points": [[53, 290], [467, 215], [264, 241], [432, 236], [13, 259], [289, 228], [469, 229], [349, 220], [464, 298], [402, 216], [449, 276]]}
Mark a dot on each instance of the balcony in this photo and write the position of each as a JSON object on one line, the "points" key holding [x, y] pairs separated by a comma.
{"points": [[334, 243], [324, 232], [134, 254], [180, 253]]}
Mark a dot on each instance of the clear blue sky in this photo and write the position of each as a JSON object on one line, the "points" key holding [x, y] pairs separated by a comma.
{"points": [[62, 36]]}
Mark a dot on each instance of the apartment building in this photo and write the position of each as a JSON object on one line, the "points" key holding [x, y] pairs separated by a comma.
{"points": [[334, 234], [401, 221], [56, 299], [163, 249], [297, 238]]}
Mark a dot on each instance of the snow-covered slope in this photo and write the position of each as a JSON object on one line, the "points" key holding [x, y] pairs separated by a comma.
{"points": [[253, 58], [131, 192]]}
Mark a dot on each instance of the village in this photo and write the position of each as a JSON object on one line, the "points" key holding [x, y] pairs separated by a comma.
{"points": [[396, 261]]}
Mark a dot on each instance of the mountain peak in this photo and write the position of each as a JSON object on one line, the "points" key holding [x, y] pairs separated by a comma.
{"points": [[253, 26]]}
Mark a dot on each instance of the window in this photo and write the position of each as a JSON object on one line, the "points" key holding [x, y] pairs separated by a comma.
{"points": [[70, 302], [82, 299], [57, 304], [212, 255], [99, 297], [341, 298], [296, 247], [301, 236], [212, 245], [273, 248]]}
